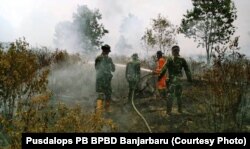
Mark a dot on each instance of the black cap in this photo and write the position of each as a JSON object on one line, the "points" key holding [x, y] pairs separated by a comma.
{"points": [[106, 48], [159, 53], [176, 48]]}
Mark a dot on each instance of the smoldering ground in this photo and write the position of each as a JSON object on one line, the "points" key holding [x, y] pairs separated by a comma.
{"points": [[75, 84]]}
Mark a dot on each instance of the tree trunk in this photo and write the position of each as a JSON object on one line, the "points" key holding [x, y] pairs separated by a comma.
{"points": [[208, 52], [208, 57]]}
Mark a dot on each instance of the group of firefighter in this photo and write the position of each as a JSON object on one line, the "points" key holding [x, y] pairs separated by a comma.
{"points": [[168, 72]]}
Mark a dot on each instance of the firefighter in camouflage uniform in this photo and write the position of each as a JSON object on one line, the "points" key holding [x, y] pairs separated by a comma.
{"points": [[174, 67], [133, 74], [104, 67]]}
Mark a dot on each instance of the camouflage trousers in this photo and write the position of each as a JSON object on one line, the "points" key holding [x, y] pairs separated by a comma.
{"points": [[174, 92], [103, 88], [162, 93], [133, 86]]}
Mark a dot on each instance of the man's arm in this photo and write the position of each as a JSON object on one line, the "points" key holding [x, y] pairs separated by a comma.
{"points": [[163, 72], [112, 65], [139, 69], [97, 61], [187, 70], [126, 73]]}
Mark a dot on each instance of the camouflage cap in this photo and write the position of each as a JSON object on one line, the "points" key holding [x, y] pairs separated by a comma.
{"points": [[106, 47], [135, 55]]}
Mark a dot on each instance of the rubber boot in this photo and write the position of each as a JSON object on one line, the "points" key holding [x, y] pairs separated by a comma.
{"points": [[99, 107]]}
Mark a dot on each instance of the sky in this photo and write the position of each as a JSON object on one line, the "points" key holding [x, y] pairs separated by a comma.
{"points": [[36, 20]]}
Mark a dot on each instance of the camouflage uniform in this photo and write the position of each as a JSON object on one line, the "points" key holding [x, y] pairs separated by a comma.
{"points": [[174, 67], [104, 66], [133, 73]]}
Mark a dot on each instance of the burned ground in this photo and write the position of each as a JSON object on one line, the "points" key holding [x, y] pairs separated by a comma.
{"points": [[80, 89]]}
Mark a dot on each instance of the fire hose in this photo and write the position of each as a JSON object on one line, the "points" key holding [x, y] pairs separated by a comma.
{"points": [[145, 121], [137, 111]]}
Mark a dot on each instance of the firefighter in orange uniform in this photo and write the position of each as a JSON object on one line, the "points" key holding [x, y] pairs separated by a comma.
{"points": [[161, 85]]}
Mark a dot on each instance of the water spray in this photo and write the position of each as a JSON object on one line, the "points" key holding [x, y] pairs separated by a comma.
{"points": [[133, 92], [124, 66]]}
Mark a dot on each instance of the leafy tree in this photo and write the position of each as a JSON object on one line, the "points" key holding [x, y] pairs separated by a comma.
{"points": [[161, 35], [85, 31], [210, 23], [21, 77]]}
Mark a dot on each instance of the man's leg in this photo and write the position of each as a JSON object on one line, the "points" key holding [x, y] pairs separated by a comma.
{"points": [[163, 94], [130, 95], [130, 91], [108, 92], [178, 94], [99, 103], [170, 99]]}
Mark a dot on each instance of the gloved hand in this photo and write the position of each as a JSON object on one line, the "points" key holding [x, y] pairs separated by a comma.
{"points": [[152, 72]]}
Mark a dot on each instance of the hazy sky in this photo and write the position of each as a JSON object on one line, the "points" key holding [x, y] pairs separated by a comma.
{"points": [[36, 20]]}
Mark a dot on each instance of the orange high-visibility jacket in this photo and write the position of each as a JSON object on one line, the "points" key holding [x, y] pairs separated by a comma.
{"points": [[161, 84]]}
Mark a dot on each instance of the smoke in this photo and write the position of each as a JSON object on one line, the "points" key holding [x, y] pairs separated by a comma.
{"points": [[75, 83], [66, 37], [37, 20], [131, 31], [6, 30], [122, 47]]}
